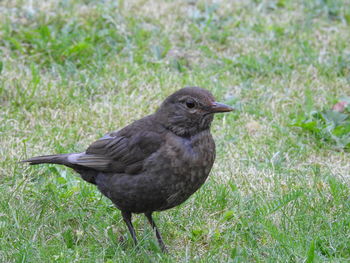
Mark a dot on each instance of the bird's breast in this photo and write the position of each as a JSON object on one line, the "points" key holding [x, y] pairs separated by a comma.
{"points": [[184, 165], [183, 155]]}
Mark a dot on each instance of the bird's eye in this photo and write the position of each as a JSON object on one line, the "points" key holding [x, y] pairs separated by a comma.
{"points": [[190, 104]]}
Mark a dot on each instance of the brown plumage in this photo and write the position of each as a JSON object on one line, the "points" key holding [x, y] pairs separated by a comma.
{"points": [[156, 162]]}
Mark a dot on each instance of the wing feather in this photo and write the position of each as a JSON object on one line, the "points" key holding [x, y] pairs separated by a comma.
{"points": [[121, 154]]}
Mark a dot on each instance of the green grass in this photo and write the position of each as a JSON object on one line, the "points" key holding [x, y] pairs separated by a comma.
{"points": [[73, 70]]}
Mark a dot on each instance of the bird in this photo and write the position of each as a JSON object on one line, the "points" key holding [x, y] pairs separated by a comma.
{"points": [[155, 163]]}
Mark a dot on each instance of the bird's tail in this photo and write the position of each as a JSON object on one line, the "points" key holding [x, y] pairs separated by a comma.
{"points": [[70, 160], [56, 158]]}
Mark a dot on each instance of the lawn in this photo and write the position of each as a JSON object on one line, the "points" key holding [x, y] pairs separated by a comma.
{"points": [[72, 70]]}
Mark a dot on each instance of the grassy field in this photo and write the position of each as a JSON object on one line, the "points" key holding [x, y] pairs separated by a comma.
{"points": [[72, 70]]}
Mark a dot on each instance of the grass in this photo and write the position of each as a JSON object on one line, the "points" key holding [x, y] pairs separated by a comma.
{"points": [[73, 70]]}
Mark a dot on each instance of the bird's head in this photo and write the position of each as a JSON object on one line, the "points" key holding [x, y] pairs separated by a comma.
{"points": [[189, 110]]}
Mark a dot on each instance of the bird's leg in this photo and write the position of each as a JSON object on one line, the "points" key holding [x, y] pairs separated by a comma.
{"points": [[127, 220], [159, 237]]}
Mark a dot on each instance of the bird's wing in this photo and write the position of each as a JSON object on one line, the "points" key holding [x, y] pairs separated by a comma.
{"points": [[120, 153]]}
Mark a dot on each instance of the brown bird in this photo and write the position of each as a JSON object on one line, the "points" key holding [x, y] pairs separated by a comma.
{"points": [[154, 163]]}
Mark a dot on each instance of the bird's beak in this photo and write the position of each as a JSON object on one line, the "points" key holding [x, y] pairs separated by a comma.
{"points": [[220, 107]]}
